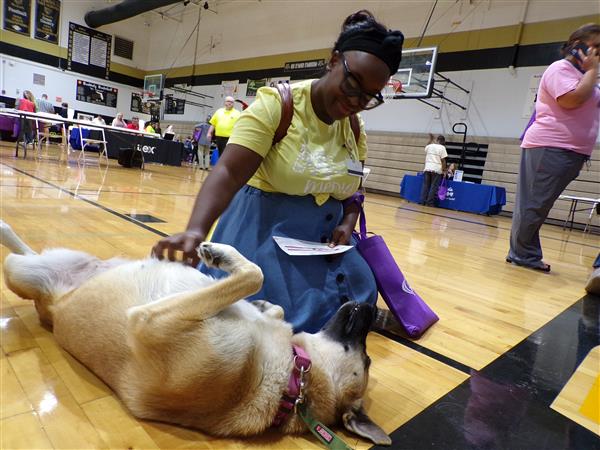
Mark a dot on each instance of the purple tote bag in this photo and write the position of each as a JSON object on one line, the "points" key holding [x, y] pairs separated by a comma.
{"points": [[443, 189], [405, 304]]}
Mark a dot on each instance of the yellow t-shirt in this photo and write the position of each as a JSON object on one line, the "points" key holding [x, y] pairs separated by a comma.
{"points": [[149, 129], [224, 120], [311, 159]]}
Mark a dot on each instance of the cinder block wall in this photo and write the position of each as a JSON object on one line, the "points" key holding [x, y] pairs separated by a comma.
{"points": [[392, 155]]}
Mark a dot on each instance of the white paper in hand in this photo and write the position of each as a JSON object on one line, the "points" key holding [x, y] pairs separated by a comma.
{"points": [[297, 247]]}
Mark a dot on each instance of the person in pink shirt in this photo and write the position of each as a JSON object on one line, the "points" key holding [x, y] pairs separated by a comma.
{"points": [[557, 143]]}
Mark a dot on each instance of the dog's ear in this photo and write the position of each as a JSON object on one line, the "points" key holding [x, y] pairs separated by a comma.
{"points": [[357, 421]]}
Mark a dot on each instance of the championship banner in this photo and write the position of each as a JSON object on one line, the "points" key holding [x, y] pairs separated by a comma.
{"points": [[96, 94], [89, 51], [17, 16], [47, 19]]}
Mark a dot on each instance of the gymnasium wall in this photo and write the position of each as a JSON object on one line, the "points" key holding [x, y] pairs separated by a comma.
{"points": [[17, 74]]}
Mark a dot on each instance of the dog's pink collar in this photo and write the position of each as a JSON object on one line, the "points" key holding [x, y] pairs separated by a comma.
{"points": [[293, 393]]}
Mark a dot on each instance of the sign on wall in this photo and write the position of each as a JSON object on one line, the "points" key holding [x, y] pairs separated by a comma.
{"points": [[254, 85], [89, 51], [174, 105], [17, 16], [47, 18], [96, 94], [299, 66]]}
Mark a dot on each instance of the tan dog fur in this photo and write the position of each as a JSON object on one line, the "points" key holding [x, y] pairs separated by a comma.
{"points": [[178, 346]]}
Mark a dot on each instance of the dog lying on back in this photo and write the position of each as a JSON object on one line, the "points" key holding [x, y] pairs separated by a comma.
{"points": [[178, 346]]}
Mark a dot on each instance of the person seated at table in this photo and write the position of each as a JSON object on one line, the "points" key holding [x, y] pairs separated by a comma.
{"points": [[99, 120], [156, 126], [63, 110], [435, 167], [134, 124], [150, 128], [118, 121], [169, 133], [450, 170], [43, 105]]}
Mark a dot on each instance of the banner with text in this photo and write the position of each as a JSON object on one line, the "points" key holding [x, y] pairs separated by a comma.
{"points": [[313, 66], [96, 94], [47, 19], [17, 16], [89, 51]]}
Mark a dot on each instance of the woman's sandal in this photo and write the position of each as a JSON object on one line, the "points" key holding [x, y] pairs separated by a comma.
{"points": [[542, 268]]}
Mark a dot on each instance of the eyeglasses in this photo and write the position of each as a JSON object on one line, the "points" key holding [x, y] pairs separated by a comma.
{"points": [[351, 87]]}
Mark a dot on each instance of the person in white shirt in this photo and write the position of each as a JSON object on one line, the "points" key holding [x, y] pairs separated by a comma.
{"points": [[99, 120], [435, 167], [118, 121]]}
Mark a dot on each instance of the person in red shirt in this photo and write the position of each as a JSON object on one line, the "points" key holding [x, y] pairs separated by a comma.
{"points": [[134, 124], [27, 103]]}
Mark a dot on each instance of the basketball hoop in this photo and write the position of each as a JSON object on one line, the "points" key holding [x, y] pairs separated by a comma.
{"points": [[392, 88], [147, 96]]}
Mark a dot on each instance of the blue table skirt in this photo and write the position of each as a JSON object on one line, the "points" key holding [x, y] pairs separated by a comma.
{"points": [[469, 197]]}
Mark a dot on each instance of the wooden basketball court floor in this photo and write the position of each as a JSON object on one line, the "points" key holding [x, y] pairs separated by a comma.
{"points": [[488, 375]]}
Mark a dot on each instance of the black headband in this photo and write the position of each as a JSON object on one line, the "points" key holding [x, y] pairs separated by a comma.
{"points": [[387, 46]]}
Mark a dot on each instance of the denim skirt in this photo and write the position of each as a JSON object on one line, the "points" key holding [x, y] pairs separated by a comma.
{"points": [[310, 289]]}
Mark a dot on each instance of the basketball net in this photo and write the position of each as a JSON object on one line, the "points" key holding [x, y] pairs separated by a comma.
{"points": [[392, 88], [147, 96]]}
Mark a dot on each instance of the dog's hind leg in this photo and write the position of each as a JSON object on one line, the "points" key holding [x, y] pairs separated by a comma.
{"points": [[180, 309], [14, 243]]}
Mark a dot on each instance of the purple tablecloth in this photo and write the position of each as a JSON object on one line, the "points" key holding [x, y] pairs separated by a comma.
{"points": [[7, 123]]}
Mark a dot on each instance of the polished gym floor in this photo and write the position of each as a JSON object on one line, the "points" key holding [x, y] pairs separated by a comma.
{"points": [[513, 363]]}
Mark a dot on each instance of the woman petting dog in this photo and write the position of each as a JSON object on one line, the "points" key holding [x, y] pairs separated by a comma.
{"points": [[296, 187]]}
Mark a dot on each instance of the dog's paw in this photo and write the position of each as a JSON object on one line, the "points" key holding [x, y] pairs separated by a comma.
{"points": [[220, 256], [269, 309]]}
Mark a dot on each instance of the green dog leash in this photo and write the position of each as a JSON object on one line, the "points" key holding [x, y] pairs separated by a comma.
{"points": [[324, 434]]}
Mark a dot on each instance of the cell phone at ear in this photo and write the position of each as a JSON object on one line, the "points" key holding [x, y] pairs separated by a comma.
{"points": [[575, 50]]}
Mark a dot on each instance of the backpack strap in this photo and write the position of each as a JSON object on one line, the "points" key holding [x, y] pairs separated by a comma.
{"points": [[287, 111], [355, 125]]}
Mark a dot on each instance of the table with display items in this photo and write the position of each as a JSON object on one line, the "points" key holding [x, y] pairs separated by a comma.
{"points": [[155, 149], [461, 196]]}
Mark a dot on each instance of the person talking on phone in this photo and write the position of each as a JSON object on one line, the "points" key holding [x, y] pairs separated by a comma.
{"points": [[557, 143]]}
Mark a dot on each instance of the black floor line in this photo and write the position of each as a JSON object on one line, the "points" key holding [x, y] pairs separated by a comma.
{"points": [[506, 405], [425, 351], [411, 344], [96, 190], [98, 205]]}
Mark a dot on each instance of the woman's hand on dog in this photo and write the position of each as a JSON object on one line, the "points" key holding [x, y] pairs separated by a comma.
{"points": [[186, 243]]}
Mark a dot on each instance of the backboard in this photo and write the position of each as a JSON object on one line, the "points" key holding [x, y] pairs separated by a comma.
{"points": [[414, 78], [154, 84]]}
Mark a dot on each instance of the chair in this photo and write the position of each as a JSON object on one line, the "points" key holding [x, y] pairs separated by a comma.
{"points": [[96, 137], [43, 134], [595, 207]]}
